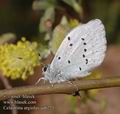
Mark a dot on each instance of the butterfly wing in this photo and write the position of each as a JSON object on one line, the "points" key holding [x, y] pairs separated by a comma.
{"points": [[82, 50]]}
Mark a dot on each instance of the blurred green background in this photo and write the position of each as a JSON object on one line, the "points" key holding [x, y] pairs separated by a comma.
{"points": [[22, 18]]}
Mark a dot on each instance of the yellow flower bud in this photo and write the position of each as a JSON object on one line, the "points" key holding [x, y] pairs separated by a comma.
{"points": [[18, 60]]}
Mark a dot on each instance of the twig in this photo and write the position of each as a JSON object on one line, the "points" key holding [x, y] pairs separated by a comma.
{"points": [[62, 88], [8, 86]]}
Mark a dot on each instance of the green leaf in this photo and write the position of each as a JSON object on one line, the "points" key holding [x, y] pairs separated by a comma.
{"points": [[41, 5], [74, 4], [43, 50], [59, 34], [7, 37], [64, 20], [47, 20], [113, 15]]}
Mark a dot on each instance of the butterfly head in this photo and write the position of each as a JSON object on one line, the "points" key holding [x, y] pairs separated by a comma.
{"points": [[46, 69], [46, 72], [50, 75]]}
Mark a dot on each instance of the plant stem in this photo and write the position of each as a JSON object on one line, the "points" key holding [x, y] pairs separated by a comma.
{"points": [[62, 88], [8, 86]]}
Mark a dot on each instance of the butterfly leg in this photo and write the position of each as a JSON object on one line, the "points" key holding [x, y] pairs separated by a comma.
{"points": [[52, 85], [71, 82], [76, 93], [42, 78]]}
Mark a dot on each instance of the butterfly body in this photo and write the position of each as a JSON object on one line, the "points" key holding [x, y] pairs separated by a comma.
{"points": [[82, 50]]}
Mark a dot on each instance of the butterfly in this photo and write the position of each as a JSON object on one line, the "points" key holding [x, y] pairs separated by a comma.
{"points": [[82, 50]]}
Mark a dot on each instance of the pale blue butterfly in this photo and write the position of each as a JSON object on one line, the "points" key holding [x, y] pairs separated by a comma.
{"points": [[82, 50]]}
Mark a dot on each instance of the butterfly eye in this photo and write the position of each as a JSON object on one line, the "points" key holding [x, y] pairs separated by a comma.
{"points": [[45, 69]]}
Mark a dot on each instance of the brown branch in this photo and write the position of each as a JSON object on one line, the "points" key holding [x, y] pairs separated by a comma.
{"points": [[8, 86], [62, 88]]}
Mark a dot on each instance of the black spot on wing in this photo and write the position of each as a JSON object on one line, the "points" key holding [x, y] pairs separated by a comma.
{"points": [[71, 44], [69, 61], [59, 58], [86, 61], [84, 43], [80, 68], [68, 38], [85, 50], [83, 56], [82, 39]]}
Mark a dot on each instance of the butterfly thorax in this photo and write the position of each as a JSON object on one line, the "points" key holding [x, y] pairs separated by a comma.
{"points": [[52, 75]]}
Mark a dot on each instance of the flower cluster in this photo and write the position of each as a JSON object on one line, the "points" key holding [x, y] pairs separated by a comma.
{"points": [[18, 61]]}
